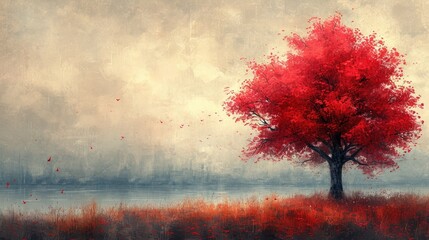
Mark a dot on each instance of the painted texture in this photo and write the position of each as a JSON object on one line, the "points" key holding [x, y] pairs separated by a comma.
{"points": [[314, 217], [135, 89]]}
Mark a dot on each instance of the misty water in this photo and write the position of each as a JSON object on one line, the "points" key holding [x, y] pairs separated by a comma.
{"points": [[44, 198]]}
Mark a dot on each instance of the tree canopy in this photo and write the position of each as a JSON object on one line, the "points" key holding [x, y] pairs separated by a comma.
{"points": [[338, 96]]}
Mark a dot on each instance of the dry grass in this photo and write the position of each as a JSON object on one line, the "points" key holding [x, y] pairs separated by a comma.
{"points": [[299, 217]]}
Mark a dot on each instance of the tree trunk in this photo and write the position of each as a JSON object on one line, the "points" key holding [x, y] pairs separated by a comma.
{"points": [[336, 191]]}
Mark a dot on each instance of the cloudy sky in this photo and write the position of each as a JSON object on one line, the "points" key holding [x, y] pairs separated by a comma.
{"points": [[82, 80]]}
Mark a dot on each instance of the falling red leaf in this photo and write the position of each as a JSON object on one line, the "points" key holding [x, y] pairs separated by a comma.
{"points": [[7, 184], [49, 159], [58, 170], [62, 191], [24, 202]]}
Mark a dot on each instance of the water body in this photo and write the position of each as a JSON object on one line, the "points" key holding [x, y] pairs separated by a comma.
{"points": [[44, 198]]}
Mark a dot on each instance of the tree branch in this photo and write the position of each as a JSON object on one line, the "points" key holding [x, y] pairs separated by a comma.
{"points": [[353, 157], [302, 163], [326, 143], [358, 162], [356, 152], [263, 121], [319, 151], [348, 147]]}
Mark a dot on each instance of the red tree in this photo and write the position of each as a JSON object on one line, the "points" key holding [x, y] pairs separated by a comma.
{"points": [[338, 97]]}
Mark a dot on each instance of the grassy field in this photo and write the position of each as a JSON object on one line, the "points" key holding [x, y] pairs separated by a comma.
{"points": [[299, 217]]}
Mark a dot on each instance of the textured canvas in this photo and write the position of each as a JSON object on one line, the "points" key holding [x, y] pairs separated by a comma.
{"points": [[113, 111]]}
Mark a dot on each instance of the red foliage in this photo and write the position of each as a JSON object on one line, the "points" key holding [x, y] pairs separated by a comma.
{"points": [[338, 91], [299, 217]]}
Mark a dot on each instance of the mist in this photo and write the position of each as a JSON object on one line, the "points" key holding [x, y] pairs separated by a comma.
{"points": [[132, 92]]}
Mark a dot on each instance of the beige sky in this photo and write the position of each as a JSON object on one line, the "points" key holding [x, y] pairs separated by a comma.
{"points": [[64, 63]]}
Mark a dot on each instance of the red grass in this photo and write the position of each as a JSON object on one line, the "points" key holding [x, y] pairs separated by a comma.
{"points": [[299, 217]]}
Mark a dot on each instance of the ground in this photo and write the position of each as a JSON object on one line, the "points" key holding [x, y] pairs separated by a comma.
{"points": [[300, 217]]}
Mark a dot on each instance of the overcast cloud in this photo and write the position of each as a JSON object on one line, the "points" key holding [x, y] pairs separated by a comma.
{"points": [[64, 64]]}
